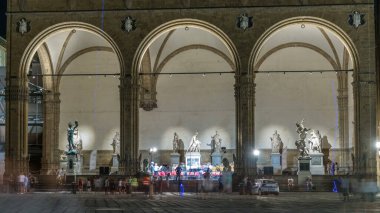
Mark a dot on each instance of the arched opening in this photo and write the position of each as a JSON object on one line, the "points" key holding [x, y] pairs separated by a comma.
{"points": [[304, 68], [186, 71], [78, 80]]}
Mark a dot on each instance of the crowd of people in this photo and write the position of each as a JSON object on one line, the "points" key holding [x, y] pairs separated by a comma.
{"points": [[20, 183]]}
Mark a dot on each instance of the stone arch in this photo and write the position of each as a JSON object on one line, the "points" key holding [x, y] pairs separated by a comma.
{"points": [[130, 83], [304, 20], [184, 22], [51, 79], [39, 39], [350, 51]]}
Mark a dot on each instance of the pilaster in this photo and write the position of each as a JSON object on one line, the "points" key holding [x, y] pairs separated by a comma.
{"points": [[16, 133], [245, 100], [365, 151], [129, 125], [343, 119], [50, 151]]}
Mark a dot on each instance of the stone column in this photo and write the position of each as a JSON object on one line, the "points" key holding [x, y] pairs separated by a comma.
{"points": [[16, 133], [365, 125], [343, 119], [50, 142], [244, 94], [129, 125]]}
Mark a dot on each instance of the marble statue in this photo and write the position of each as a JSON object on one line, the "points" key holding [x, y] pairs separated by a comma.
{"points": [[276, 142], [315, 141], [195, 144], [300, 143], [116, 143], [78, 141], [70, 135], [216, 143], [175, 143]]}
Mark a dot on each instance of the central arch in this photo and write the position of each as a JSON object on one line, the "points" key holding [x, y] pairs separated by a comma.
{"points": [[138, 63]]}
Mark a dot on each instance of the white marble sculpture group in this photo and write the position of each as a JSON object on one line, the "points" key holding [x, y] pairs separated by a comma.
{"points": [[314, 141], [195, 143]]}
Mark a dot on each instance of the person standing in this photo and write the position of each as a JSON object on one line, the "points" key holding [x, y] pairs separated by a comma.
{"points": [[290, 184], [80, 185], [337, 168], [20, 180], [88, 184], [178, 171], [26, 183], [332, 168], [106, 186]]}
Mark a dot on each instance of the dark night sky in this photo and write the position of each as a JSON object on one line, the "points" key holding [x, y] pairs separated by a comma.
{"points": [[3, 22]]}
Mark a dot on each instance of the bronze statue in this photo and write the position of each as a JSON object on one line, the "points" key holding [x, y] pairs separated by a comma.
{"points": [[70, 135]]}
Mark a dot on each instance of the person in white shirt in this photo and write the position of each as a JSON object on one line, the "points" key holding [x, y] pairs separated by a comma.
{"points": [[20, 180], [26, 183]]}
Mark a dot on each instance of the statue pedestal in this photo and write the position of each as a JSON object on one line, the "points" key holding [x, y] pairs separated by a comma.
{"points": [[276, 163], [115, 163], [193, 160], [71, 164], [216, 158], [79, 164], [316, 164], [303, 170], [174, 158]]}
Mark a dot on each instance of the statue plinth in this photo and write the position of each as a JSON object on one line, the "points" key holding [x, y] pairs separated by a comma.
{"points": [[71, 163], [303, 169], [276, 163], [174, 158], [316, 164], [115, 163], [193, 160], [216, 158]]}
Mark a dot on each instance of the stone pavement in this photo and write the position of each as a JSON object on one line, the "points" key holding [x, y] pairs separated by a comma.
{"points": [[298, 202]]}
